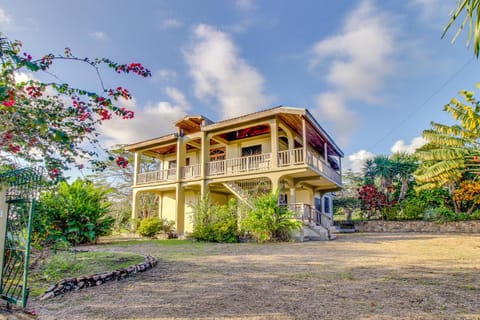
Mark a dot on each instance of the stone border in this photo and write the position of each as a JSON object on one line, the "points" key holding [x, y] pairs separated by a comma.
{"points": [[472, 226], [82, 282]]}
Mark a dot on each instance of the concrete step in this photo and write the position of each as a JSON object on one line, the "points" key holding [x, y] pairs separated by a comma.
{"points": [[310, 234]]}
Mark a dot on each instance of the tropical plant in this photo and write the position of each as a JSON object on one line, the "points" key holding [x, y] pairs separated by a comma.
{"points": [[372, 201], [391, 173], [404, 166], [215, 223], [468, 196], [269, 221], [449, 155], [77, 213], [471, 8], [52, 123]]}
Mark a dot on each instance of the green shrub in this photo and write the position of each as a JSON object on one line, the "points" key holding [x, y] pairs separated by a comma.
{"points": [[440, 214], [149, 227], [270, 222], [411, 209], [77, 213], [215, 223]]}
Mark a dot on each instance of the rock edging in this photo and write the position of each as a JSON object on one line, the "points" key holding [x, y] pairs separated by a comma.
{"points": [[82, 282], [472, 226]]}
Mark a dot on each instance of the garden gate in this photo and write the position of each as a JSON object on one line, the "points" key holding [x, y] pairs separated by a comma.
{"points": [[19, 189]]}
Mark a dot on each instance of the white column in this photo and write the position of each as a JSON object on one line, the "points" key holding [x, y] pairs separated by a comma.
{"points": [[136, 162], [274, 143]]}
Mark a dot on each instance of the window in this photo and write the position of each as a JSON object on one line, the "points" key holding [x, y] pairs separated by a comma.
{"points": [[250, 151], [217, 154], [172, 167], [326, 205], [187, 162]]}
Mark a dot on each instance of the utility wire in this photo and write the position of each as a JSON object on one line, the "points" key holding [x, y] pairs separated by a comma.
{"points": [[416, 110]]}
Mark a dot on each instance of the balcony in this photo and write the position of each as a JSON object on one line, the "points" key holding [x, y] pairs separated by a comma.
{"points": [[236, 166]]}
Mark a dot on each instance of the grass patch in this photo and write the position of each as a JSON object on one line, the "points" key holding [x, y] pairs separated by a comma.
{"points": [[69, 265], [169, 242]]}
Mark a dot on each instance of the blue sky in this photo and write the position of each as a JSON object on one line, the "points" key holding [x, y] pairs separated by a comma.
{"points": [[373, 73]]}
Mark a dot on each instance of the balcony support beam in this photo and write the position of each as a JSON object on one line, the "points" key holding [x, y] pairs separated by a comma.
{"points": [[304, 140], [180, 208], [274, 143], [134, 206], [136, 166]]}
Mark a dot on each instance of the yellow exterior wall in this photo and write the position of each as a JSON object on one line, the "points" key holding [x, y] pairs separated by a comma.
{"points": [[168, 205], [219, 198], [303, 196], [194, 157], [234, 150], [191, 198]]}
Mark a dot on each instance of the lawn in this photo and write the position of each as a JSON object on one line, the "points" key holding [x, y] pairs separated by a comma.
{"points": [[357, 276]]}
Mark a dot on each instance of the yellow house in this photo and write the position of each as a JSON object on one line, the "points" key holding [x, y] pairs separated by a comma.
{"points": [[282, 148]]}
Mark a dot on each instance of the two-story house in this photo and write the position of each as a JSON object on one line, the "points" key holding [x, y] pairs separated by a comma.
{"points": [[282, 149]]}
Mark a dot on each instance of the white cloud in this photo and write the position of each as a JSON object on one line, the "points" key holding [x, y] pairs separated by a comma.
{"points": [[244, 4], [400, 146], [165, 75], [151, 121], [24, 76], [434, 13], [331, 107], [221, 76], [359, 59], [5, 19], [177, 97], [356, 161], [98, 35], [171, 24]]}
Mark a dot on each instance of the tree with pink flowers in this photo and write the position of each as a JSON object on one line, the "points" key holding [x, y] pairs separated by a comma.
{"points": [[53, 124]]}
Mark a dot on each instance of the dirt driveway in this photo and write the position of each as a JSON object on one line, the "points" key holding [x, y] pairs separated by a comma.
{"points": [[357, 276]]}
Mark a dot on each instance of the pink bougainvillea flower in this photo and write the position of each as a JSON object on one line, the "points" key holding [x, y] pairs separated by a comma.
{"points": [[122, 162]]}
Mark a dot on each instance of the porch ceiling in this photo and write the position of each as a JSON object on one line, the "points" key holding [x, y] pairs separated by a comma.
{"points": [[313, 136], [190, 124]]}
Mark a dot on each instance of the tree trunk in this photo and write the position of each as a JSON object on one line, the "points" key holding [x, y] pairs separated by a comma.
{"points": [[451, 192], [403, 189]]}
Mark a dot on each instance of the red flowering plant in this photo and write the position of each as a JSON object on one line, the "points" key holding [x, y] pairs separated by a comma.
{"points": [[374, 202], [53, 123]]}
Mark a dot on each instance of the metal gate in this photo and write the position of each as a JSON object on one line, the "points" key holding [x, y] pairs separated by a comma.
{"points": [[18, 193]]}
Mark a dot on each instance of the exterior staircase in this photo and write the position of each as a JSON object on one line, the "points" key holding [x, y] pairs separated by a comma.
{"points": [[238, 192], [317, 226]]}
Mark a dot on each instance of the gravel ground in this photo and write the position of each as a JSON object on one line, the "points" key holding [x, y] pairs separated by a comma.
{"points": [[356, 276]]}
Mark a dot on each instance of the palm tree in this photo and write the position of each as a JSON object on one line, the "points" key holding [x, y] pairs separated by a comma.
{"points": [[404, 167], [386, 170], [472, 18]]}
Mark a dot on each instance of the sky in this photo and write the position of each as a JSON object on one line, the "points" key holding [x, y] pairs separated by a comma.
{"points": [[373, 73]]}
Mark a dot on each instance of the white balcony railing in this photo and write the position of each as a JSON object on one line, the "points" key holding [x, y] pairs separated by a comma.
{"points": [[234, 166], [189, 172], [240, 165], [290, 157], [156, 176]]}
